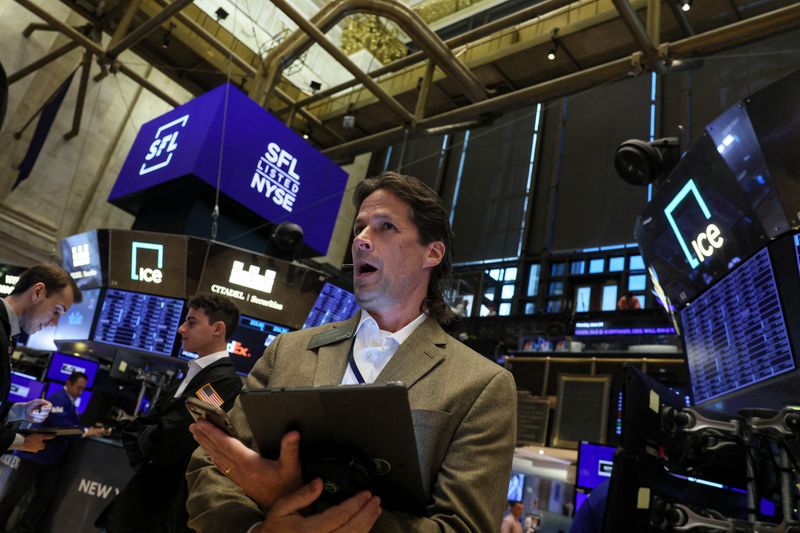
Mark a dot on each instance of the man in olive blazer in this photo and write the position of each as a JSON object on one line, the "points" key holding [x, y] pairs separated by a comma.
{"points": [[463, 409], [463, 405]]}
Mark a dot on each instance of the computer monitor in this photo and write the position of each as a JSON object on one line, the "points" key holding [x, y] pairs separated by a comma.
{"points": [[742, 336], [76, 324], [63, 365], [516, 486], [333, 304], [80, 403], [24, 388], [250, 338], [595, 462], [143, 322]]}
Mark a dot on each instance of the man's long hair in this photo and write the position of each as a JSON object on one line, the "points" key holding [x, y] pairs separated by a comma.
{"points": [[431, 219]]}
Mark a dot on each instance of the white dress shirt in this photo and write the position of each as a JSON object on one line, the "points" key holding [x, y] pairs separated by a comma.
{"points": [[196, 366], [373, 348]]}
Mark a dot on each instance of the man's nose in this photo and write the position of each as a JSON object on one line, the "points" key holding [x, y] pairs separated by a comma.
{"points": [[362, 240]]}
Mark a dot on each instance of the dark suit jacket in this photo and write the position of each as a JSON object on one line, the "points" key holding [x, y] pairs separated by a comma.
{"points": [[159, 446], [6, 434], [463, 409]]}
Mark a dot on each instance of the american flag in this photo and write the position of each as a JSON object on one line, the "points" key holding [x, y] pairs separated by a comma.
{"points": [[209, 395]]}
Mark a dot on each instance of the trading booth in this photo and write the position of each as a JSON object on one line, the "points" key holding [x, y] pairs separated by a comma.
{"points": [[721, 239]]}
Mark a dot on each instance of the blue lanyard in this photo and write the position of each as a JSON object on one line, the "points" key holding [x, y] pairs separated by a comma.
{"points": [[351, 360]]}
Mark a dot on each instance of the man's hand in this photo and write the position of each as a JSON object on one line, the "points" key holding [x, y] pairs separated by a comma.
{"points": [[36, 411], [355, 515], [35, 442], [93, 432], [263, 480]]}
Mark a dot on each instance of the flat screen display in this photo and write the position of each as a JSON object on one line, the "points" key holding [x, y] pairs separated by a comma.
{"points": [[333, 304], [76, 324], [580, 498], [82, 259], [143, 322], [595, 462], [515, 487], [80, 403], [63, 365], [735, 333], [700, 225], [249, 340], [24, 388]]}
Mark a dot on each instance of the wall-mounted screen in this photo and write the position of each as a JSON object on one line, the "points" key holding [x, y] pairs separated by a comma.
{"points": [[63, 365], [80, 403], [148, 262], [77, 323], [595, 462], [143, 322], [24, 388], [333, 304], [249, 340], [516, 486]]}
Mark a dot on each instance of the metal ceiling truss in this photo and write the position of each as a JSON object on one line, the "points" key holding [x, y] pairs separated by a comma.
{"points": [[419, 97]]}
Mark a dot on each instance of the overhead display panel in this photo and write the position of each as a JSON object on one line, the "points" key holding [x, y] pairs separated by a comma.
{"points": [[148, 262], [262, 287], [83, 258], [267, 168]]}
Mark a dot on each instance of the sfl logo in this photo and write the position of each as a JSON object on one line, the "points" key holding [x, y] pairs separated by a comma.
{"points": [[162, 148]]}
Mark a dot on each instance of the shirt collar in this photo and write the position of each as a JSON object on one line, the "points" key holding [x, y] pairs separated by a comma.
{"points": [[398, 336], [208, 360], [13, 321]]}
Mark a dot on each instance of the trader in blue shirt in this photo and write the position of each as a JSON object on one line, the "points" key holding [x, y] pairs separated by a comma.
{"points": [[43, 467]]}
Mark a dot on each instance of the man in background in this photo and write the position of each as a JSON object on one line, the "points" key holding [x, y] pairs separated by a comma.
{"points": [[43, 294], [511, 523], [43, 468], [463, 405], [159, 444]]}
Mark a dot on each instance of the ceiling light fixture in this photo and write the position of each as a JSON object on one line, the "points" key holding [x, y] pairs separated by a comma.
{"points": [[686, 5], [551, 55]]}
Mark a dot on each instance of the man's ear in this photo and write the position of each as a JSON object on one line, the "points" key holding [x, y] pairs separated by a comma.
{"points": [[435, 255], [219, 328], [38, 291]]}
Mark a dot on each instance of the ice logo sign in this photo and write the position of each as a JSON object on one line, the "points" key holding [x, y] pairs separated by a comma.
{"points": [[161, 149], [147, 274], [276, 177], [705, 243]]}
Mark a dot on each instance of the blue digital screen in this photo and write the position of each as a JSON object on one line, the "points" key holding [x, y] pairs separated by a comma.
{"points": [[63, 365], [24, 388], [333, 304], [80, 403], [595, 462], [249, 340], [515, 487], [143, 322], [76, 324], [580, 498], [735, 333]]}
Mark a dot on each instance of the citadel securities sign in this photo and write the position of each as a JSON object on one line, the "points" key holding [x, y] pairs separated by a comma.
{"points": [[266, 167]]}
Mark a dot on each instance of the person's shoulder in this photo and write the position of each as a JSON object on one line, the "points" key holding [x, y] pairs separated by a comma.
{"points": [[466, 355], [321, 335]]}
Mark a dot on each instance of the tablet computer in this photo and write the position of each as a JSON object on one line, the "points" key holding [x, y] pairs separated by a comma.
{"points": [[368, 427], [57, 431]]}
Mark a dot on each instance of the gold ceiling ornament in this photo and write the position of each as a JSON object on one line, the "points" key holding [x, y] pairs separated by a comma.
{"points": [[433, 10], [367, 31]]}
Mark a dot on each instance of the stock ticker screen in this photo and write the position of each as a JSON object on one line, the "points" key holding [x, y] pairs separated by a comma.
{"points": [[595, 462], [139, 321], [249, 340], [333, 304], [735, 332]]}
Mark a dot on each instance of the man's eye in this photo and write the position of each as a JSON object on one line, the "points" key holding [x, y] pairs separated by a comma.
{"points": [[388, 225]]}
